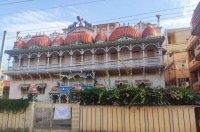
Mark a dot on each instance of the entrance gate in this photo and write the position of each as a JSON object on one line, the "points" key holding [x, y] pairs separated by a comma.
{"points": [[44, 119]]}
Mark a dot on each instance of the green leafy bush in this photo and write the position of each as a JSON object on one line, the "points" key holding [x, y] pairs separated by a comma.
{"points": [[130, 96], [14, 105]]}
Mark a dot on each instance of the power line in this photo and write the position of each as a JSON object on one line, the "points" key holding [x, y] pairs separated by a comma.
{"points": [[61, 26], [17, 2], [42, 9], [144, 13], [118, 21]]}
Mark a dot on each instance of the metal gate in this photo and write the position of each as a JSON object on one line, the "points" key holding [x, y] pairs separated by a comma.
{"points": [[44, 121]]}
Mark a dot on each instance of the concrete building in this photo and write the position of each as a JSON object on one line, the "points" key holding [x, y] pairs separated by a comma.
{"points": [[84, 51], [194, 50], [176, 58]]}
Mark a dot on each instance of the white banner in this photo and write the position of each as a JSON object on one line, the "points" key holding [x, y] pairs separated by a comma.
{"points": [[62, 112]]}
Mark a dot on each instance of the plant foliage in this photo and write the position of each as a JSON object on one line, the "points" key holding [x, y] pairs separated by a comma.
{"points": [[14, 105], [130, 96]]}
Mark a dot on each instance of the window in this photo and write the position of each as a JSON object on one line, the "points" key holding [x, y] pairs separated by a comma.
{"points": [[150, 53], [182, 64], [100, 57], [41, 90], [24, 90], [78, 58], [113, 56], [136, 54], [171, 38]]}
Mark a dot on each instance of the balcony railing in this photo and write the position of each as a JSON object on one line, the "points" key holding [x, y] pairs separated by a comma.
{"points": [[97, 65]]}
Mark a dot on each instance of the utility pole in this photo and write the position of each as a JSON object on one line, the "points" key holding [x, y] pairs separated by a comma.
{"points": [[1, 58]]}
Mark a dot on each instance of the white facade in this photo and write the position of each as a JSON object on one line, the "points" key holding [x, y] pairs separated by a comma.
{"points": [[87, 59]]}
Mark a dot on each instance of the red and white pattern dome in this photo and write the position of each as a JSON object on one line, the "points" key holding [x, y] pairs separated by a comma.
{"points": [[41, 40], [101, 36], [83, 36], [19, 44], [58, 40], [124, 31], [149, 30]]}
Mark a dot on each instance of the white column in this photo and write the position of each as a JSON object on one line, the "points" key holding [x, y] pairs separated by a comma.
{"points": [[107, 59], [19, 64], [38, 63], [81, 61], [60, 61], [131, 57], [118, 57], [47, 62], [93, 61], [143, 57], [160, 56], [68, 82], [71, 64], [28, 63]]}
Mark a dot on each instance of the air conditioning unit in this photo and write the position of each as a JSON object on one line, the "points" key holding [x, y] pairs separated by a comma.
{"points": [[186, 84]]}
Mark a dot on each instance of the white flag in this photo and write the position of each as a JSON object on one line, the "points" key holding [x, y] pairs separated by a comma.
{"points": [[62, 112]]}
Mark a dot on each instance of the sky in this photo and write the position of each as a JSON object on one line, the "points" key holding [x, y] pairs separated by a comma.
{"points": [[31, 16]]}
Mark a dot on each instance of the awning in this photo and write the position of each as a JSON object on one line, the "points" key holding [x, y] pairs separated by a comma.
{"points": [[40, 85], [24, 86], [99, 86], [145, 81]]}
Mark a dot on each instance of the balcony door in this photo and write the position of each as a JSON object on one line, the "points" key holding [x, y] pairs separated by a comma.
{"points": [[136, 54], [150, 53], [100, 57]]}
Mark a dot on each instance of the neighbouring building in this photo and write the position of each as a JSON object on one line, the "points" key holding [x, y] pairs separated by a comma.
{"points": [[194, 50], [176, 59], [48, 64]]}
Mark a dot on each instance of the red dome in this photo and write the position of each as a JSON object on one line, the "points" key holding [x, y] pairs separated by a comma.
{"points": [[129, 31], [58, 40], [41, 40], [83, 36], [149, 30], [101, 36], [54, 89], [33, 90], [20, 44]]}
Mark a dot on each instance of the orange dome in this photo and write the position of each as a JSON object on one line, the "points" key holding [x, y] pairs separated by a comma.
{"points": [[99, 86], [101, 36], [33, 90], [41, 40], [122, 31], [20, 44], [54, 89], [77, 88], [83, 36], [149, 30], [58, 40]]}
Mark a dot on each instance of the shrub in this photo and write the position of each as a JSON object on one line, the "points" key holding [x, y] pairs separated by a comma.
{"points": [[130, 96]]}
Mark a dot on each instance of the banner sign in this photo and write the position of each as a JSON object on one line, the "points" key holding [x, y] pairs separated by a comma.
{"points": [[62, 112]]}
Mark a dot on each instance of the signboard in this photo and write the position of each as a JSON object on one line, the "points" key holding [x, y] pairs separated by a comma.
{"points": [[1, 89], [62, 112]]}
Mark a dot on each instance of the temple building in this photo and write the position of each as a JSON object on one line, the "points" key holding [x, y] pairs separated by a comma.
{"points": [[83, 56]]}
